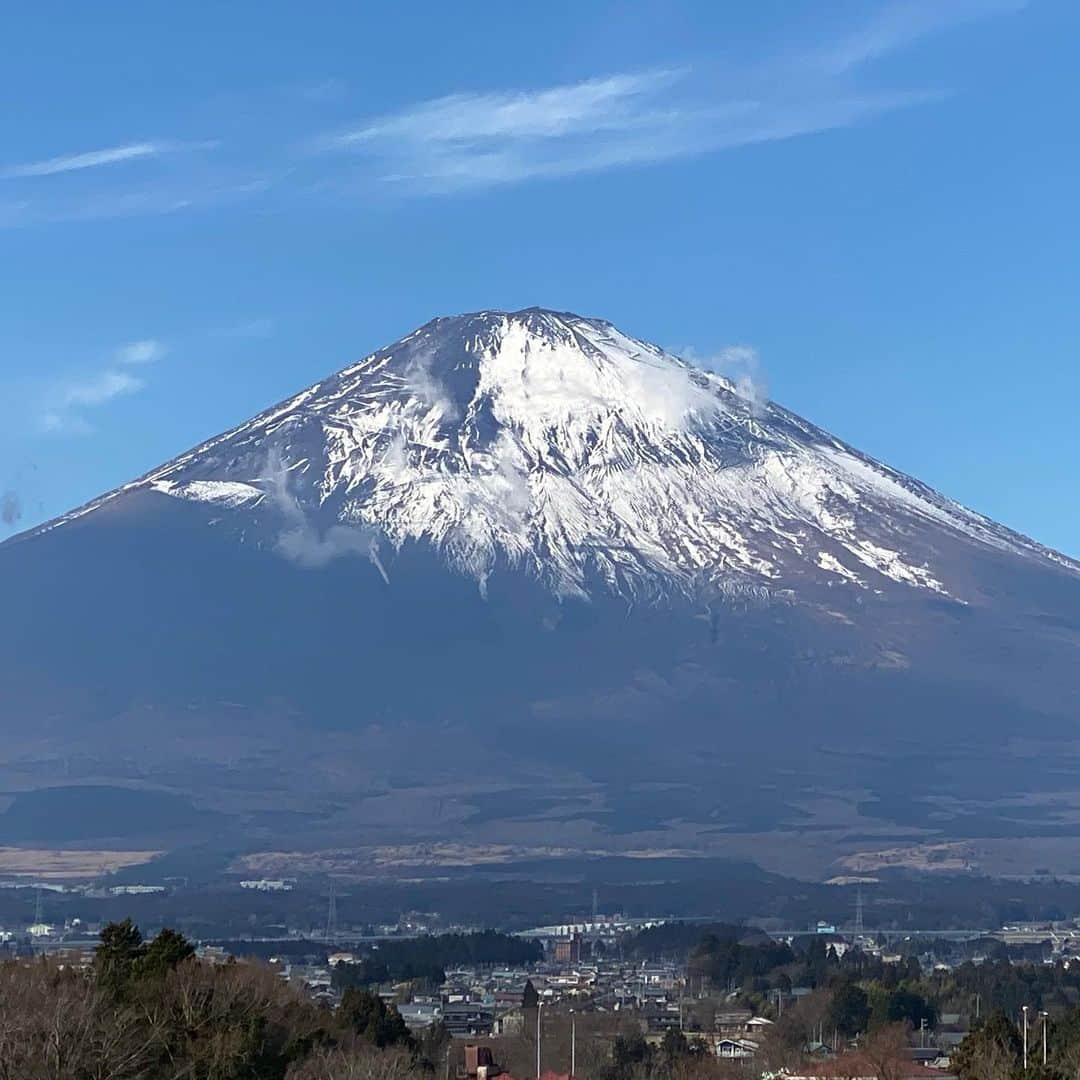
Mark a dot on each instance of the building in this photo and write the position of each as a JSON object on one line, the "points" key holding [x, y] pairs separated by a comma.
{"points": [[568, 950], [733, 1021], [509, 1022], [728, 1048], [420, 1015], [468, 1018]]}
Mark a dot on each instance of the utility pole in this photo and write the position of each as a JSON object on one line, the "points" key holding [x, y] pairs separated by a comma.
{"points": [[573, 1045], [1025, 1008], [539, 1014], [1043, 1015]]}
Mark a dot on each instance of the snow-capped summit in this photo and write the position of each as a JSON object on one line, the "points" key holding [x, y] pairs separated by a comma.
{"points": [[558, 444], [523, 579]]}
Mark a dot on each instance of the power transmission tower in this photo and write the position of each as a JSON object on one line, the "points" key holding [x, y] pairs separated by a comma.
{"points": [[38, 914], [858, 911]]}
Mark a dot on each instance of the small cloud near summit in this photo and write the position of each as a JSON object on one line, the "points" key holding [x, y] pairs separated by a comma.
{"points": [[741, 364]]}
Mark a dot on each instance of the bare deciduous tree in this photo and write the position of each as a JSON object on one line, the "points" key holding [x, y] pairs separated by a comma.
{"points": [[359, 1063]]}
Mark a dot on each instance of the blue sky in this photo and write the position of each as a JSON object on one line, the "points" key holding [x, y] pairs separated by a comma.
{"points": [[203, 207]]}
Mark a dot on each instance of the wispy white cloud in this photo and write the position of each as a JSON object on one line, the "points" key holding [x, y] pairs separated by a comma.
{"points": [[147, 351], [900, 24], [472, 140], [174, 194], [589, 107], [65, 412], [91, 159], [68, 401], [462, 141], [100, 388], [93, 185], [477, 140]]}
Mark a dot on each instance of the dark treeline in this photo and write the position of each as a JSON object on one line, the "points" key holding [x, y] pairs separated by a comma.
{"points": [[426, 958], [971, 987], [726, 962], [1008, 986], [676, 940]]}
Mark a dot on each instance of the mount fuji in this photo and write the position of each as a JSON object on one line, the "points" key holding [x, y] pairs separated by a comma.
{"points": [[520, 579]]}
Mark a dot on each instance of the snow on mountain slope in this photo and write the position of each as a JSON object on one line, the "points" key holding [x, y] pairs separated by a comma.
{"points": [[528, 487], [560, 445]]}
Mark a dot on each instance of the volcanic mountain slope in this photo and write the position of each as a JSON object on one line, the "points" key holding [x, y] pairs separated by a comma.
{"points": [[520, 576], [585, 458]]}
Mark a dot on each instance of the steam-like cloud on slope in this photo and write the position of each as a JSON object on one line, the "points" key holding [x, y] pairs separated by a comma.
{"points": [[741, 365], [301, 542], [427, 388], [667, 394]]}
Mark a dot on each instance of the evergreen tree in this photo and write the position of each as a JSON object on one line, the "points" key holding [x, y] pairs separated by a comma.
{"points": [[167, 950], [849, 1010], [373, 1020], [118, 954], [993, 1049]]}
